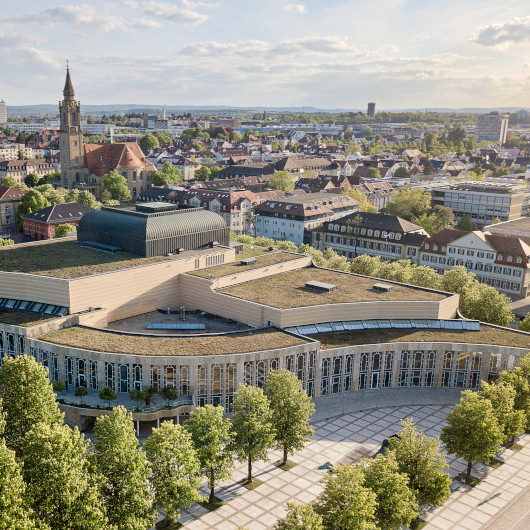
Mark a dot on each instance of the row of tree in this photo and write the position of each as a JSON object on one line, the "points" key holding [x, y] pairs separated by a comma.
{"points": [[478, 301], [50, 479]]}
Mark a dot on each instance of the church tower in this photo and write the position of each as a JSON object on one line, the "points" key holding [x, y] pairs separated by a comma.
{"points": [[70, 136]]}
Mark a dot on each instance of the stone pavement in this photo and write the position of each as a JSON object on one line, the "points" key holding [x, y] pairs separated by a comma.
{"points": [[474, 508], [338, 438]]}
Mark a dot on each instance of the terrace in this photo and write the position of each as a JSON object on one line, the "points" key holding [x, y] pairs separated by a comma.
{"points": [[486, 335], [66, 259], [287, 290], [264, 258], [115, 342]]}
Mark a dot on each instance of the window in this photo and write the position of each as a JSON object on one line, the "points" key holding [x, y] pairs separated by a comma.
{"points": [[123, 378], [81, 373], [93, 367], [69, 370], [203, 386], [336, 386], [404, 369], [324, 379], [109, 375], [363, 371]]}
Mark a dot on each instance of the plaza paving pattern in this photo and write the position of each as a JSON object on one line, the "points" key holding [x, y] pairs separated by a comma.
{"points": [[337, 439]]}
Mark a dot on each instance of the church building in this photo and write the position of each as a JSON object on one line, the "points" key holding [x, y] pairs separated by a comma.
{"points": [[83, 165]]}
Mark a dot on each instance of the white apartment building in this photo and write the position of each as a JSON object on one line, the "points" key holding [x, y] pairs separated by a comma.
{"points": [[3, 113], [11, 151], [291, 218], [492, 127], [497, 260], [26, 127]]}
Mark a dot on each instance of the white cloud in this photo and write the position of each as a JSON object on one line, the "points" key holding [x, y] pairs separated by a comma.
{"points": [[315, 45], [186, 12], [85, 18], [296, 8], [215, 49], [516, 31]]}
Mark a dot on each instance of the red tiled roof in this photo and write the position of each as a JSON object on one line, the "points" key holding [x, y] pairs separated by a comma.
{"points": [[101, 158], [9, 194]]}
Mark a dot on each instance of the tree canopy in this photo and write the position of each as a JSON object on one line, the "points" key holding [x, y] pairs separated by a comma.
{"points": [[282, 180], [168, 175], [149, 141], [63, 230], [114, 187]]}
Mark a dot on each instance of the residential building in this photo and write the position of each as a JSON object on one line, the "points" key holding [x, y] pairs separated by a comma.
{"points": [[371, 109], [483, 201], [14, 151], [42, 223], [292, 217], [492, 127], [25, 127], [3, 113], [497, 260], [387, 236], [9, 201], [20, 169]]}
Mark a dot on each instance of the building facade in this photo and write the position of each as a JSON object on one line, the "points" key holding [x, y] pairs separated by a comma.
{"points": [[3, 113], [9, 202], [492, 127], [483, 201], [386, 236], [291, 218], [497, 260], [20, 169]]}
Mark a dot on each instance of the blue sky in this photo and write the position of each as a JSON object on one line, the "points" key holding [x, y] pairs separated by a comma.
{"points": [[323, 53]]}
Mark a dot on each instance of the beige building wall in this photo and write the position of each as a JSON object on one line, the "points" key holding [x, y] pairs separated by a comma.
{"points": [[35, 288]]}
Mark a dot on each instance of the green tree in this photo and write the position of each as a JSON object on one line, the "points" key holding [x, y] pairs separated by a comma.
{"points": [[32, 201], [169, 393], [300, 517], [524, 325], [88, 199], [408, 203], [107, 394], [427, 168], [472, 431], [6, 242], [62, 490], [9, 181], [364, 205], [519, 379], [485, 303], [81, 392], [54, 195], [345, 503], [287, 246], [291, 409], [211, 436], [367, 131], [27, 399], [125, 471], [396, 502], [282, 180], [114, 186], [138, 396], [174, 469], [465, 223], [15, 514], [502, 397], [63, 230], [169, 175], [366, 265], [402, 173], [420, 459], [149, 141], [457, 280], [31, 180], [203, 174], [373, 173], [423, 276], [253, 432], [495, 221]]}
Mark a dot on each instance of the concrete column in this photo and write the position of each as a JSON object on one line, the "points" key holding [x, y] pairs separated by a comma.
{"points": [[137, 427]]}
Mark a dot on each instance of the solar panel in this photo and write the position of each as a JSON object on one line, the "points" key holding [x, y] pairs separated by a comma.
{"points": [[174, 325]]}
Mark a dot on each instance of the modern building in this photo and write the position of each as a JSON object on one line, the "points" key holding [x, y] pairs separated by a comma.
{"points": [[3, 113], [42, 223], [492, 127], [97, 319], [9, 202], [483, 201], [387, 236], [83, 165], [291, 218], [152, 229], [371, 109], [501, 261], [517, 228]]}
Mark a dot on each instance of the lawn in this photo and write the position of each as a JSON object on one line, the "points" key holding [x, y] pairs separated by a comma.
{"points": [[486, 335], [66, 259], [263, 256], [287, 290], [22, 318], [115, 342]]}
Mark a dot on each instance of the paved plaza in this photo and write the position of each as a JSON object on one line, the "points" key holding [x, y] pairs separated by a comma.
{"points": [[339, 438]]}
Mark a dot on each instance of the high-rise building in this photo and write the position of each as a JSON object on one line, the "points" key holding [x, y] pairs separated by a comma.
{"points": [[492, 127], [3, 113], [371, 109]]}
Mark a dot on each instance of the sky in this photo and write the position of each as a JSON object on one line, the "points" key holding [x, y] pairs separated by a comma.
{"points": [[243, 53]]}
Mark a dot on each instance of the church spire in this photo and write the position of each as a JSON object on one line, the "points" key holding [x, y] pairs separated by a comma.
{"points": [[68, 91]]}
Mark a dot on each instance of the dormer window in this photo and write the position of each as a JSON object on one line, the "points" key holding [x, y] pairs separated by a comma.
{"points": [[435, 247], [426, 246], [391, 235], [499, 256], [509, 259], [519, 260], [376, 233]]}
